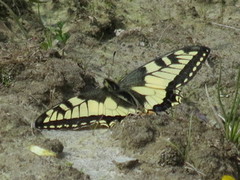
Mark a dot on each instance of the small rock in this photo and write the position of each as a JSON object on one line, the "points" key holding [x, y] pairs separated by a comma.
{"points": [[126, 163]]}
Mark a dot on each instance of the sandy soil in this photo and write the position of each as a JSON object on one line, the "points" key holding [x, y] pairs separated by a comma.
{"points": [[185, 143]]}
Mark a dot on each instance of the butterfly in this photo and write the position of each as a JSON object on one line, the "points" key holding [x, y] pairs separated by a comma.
{"points": [[153, 87]]}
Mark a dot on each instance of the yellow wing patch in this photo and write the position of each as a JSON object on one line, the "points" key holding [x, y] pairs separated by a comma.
{"points": [[185, 57], [152, 67], [75, 101], [164, 75], [110, 103], [75, 112], [166, 60], [179, 52], [144, 90], [94, 110]]}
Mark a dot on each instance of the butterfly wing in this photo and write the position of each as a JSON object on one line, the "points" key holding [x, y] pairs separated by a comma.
{"points": [[97, 108], [155, 84], [152, 87]]}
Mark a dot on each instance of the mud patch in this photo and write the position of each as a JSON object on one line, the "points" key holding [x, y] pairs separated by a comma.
{"points": [[178, 146], [186, 143], [92, 152]]}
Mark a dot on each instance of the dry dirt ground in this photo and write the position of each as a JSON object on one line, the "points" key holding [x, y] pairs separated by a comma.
{"points": [[184, 143]]}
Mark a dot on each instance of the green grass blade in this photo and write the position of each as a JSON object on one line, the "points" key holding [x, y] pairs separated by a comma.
{"points": [[219, 94]]}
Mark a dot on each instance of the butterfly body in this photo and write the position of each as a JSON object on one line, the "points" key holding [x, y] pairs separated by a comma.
{"points": [[152, 87]]}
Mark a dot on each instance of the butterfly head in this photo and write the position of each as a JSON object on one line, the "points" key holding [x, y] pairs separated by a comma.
{"points": [[110, 85]]}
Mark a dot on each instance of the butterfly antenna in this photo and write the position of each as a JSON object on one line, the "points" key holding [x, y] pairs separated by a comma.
{"points": [[111, 69]]}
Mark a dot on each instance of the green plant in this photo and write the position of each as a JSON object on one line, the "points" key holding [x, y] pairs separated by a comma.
{"points": [[231, 119], [60, 35], [55, 35], [48, 39], [5, 78], [38, 2]]}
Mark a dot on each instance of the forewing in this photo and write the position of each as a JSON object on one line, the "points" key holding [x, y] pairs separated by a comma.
{"points": [[155, 84], [98, 108]]}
